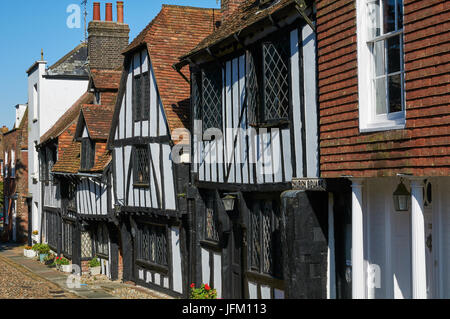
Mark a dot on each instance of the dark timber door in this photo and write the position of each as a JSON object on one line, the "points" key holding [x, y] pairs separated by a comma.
{"points": [[236, 244]]}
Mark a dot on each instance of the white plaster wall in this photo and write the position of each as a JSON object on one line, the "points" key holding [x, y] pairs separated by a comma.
{"points": [[54, 98]]}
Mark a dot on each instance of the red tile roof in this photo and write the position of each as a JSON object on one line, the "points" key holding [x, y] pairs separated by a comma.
{"points": [[247, 14], [106, 79], [98, 120], [174, 31]]}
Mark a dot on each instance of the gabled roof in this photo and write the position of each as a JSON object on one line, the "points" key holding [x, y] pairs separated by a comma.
{"points": [[174, 31], [106, 79], [246, 15], [73, 63], [69, 160], [97, 119], [68, 118]]}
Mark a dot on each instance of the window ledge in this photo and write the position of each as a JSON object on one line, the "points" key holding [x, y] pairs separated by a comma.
{"points": [[385, 126], [141, 185]]}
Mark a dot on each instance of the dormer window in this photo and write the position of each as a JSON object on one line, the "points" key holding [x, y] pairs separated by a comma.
{"points": [[87, 154], [268, 86], [141, 97]]}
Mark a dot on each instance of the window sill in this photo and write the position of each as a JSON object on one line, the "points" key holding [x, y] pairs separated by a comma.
{"points": [[210, 245], [164, 270], [141, 185], [384, 126], [274, 124]]}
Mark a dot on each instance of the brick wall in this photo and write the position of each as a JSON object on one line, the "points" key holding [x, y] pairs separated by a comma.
{"points": [[423, 147], [106, 42], [228, 7], [17, 140]]}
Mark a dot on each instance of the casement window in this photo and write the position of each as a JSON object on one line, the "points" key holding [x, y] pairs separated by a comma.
{"points": [[48, 159], [87, 154], [141, 167], [211, 227], [52, 223], [71, 191], [86, 245], [381, 74], [265, 241], [152, 244], [67, 238], [268, 84], [207, 96], [141, 97], [102, 241]]}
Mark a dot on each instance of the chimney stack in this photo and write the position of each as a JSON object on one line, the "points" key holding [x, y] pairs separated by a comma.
{"points": [[97, 11], [108, 11], [107, 39], [119, 11], [229, 6]]}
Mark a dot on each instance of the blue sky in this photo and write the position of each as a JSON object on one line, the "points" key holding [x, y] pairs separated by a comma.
{"points": [[27, 26]]}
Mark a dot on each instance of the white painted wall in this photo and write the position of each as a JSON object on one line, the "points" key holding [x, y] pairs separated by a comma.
{"points": [[48, 100], [387, 240]]}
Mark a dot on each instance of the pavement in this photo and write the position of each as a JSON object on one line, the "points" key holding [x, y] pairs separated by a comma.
{"points": [[27, 278]]}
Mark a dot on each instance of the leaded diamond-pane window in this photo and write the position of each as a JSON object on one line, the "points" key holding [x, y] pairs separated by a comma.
{"points": [[68, 229], [152, 244], [196, 95], [265, 243], [276, 80], [268, 83], [86, 245], [141, 165], [212, 98], [253, 92], [211, 232], [137, 97], [87, 154], [141, 97], [102, 241]]}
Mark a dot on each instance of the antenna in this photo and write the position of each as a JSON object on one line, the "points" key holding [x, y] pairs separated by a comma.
{"points": [[84, 4]]}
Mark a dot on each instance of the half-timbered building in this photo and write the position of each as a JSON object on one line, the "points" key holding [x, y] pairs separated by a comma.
{"points": [[77, 175], [149, 185], [255, 136]]}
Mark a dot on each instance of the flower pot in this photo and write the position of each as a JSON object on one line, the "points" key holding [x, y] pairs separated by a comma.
{"points": [[95, 270], [42, 257], [29, 253], [66, 268]]}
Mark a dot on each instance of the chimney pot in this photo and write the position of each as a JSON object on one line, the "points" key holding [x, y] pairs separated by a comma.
{"points": [[109, 12], [120, 11], [97, 11]]}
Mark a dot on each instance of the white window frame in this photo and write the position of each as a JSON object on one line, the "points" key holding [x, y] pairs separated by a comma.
{"points": [[369, 121]]}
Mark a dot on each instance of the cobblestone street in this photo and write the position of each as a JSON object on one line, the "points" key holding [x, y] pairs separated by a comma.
{"points": [[24, 278], [16, 282]]}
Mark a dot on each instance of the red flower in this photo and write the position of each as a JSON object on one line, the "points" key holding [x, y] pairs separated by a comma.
{"points": [[207, 287], [193, 286]]}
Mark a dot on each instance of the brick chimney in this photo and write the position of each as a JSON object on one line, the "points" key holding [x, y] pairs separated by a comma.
{"points": [[107, 39], [229, 6]]}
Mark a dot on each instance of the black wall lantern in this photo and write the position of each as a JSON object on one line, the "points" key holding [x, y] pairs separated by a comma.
{"points": [[401, 198]]}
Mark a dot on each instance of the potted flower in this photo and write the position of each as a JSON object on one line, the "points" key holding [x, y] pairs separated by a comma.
{"points": [[35, 236], [94, 266], [42, 250], [29, 252], [204, 292], [64, 265]]}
